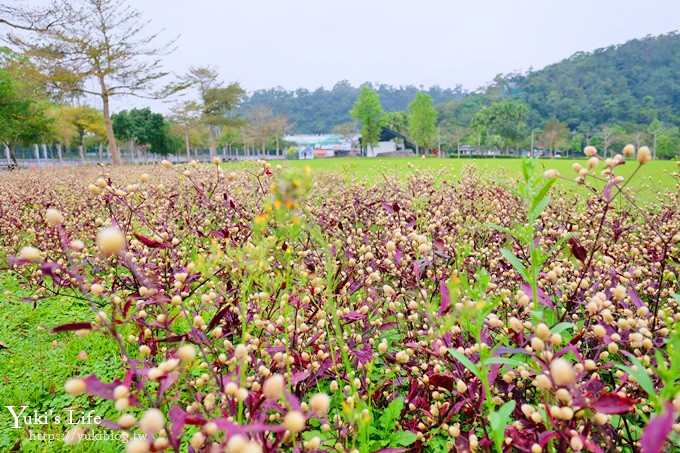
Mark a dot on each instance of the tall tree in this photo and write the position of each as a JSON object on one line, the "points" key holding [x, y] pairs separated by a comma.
{"points": [[228, 137], [506, 120], [262, 126], [217, 103], [23, 118], [75, 124], [608, 136], [668, 144], [143, 127], [185, 116], [281, 126], [422, 120], [453, 135], [397, 121], [32, 18], [347, 132], [655, 129], [103, 41], [369, 113], [555, 135]]}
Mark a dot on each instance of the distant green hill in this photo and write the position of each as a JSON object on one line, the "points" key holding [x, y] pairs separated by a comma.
{"points": [[316, 112], [626, 83]]}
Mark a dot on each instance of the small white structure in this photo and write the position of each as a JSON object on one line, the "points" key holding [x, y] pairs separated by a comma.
{"points": [[305, 152], [311, 146], [381, 148]]}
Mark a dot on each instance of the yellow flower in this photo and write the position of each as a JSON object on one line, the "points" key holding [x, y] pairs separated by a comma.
{"points": [[261, 219]]}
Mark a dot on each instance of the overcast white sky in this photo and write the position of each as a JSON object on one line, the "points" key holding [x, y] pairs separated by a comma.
{"points": [[312, 43]]}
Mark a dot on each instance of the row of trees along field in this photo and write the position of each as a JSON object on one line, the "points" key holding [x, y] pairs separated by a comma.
{"points": [[69, 50], [613, 96], [72, 50]]}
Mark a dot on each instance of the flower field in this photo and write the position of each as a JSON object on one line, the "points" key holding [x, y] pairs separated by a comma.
{"points": [[271, 308]]}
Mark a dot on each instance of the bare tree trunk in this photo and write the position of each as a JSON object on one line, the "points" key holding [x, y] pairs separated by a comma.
{"points": [[81, 154], [213, 142], [13, 155], [99, 151], [7, 153], [59, 156], [113, 147], [264, 146], [186, 142], [44, 150], [36, 152]]}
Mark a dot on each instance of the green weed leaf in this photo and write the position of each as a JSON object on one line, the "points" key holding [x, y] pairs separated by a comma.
{"points": [[465, 361]]}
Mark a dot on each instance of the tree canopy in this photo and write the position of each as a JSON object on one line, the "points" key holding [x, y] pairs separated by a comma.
{"points": [[102, 41], [23, 109], [216, 103], [422, 120], [503, 123], [318, 111], [144, 127], [368, 111]]}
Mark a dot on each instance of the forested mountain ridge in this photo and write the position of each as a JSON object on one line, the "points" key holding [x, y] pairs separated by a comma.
{"points": [[633, 82], [627, 84], [318, 111]]}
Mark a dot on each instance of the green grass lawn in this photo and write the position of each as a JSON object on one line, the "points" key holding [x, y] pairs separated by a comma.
{"points": [[649, 184], [35, 363]]}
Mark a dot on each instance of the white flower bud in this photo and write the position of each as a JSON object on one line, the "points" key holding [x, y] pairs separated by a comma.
{"points": [[152, 421], [320, 403], [590, 151], [75, 386], [127, 420], [54, 217], [644, 155], [240, 352], [273, 387], [186, 353], [110, 240], [121, 391], [31, 254], [294, 422], [562, 372], [197, 440], [137, 445]]}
